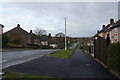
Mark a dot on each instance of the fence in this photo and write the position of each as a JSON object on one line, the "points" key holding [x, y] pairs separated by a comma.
{"points": [[100, 49]]}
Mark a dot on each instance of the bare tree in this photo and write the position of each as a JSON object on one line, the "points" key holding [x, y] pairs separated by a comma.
{"points": [[40, 32], [60, 34]]}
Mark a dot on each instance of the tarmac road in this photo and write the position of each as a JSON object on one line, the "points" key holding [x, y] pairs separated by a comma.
{"points": [[80, 65], [12, 58]]}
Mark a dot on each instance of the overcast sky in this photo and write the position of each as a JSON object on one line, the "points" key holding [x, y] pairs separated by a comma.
{"points": [[83, 18]]}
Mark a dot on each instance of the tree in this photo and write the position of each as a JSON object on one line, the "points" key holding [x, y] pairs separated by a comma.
{"points": [[5, 40], [60, 34], [40, 32], [60, 39]]}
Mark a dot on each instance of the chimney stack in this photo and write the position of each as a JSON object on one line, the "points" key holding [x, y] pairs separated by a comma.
{"points": [[111, 21], [18, 25], [30, 31], [103, 26], [98, 31]]}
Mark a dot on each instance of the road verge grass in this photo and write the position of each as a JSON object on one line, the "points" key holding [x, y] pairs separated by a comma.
{"points": [[64, 54], [23, 76]]}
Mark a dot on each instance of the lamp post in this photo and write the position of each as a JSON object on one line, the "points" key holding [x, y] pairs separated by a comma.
{"points": [[65, 36]]}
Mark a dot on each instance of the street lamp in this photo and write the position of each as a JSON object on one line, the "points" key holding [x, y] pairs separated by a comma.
{"points": [[65, 36]]}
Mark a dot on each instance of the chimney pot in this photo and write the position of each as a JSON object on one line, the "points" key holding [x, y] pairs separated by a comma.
{"points": [[30, 31], [98, 31], [111, 21], [103, 26], [18, 25]]}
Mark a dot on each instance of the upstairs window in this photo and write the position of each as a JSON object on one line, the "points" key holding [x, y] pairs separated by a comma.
{"points": [[115, 30]]}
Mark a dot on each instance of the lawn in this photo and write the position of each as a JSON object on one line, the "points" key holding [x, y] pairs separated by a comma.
{"points": [[65, 54]]}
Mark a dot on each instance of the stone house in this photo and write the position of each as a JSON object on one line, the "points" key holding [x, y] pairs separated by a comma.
{"points": [[114, 32], [104, 31]]}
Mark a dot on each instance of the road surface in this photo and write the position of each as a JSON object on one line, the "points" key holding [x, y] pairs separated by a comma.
{"points": [[73, 46], [12, 58], [79, 65]]}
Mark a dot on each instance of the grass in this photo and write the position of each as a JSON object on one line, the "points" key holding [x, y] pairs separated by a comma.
{"points": [[65, 54], [23, 76]]}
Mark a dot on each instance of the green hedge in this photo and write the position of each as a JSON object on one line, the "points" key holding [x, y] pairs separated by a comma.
{"points": [[114, 56]]}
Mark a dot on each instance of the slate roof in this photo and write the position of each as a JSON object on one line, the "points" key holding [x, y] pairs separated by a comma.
{"points": [[109, 27], [17, 30], [33, 35], [105, 29], [117, 24]]}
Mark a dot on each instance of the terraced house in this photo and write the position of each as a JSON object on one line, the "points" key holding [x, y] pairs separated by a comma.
{"points": [[22, 36], [107, 35], [112, 30]]}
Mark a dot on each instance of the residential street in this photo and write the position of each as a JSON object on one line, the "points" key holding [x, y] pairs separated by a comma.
{"points": [[11, 58], [80, 65]]}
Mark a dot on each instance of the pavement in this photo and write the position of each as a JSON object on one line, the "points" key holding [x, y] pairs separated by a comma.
{"points": [[80, 65], [11, 58]]}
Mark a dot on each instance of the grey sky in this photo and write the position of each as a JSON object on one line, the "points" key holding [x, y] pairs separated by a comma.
{"points": [[83, 18]]}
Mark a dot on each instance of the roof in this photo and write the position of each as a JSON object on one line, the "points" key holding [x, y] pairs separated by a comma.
{"points": [[117, 24], [105, 29], [33, 35], [18, 30]]}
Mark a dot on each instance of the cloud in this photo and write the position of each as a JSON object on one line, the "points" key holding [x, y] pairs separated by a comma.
{"points": [[83, 18]]}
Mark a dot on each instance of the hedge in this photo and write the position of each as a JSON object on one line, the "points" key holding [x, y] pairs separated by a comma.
{"points": [[114, 56], [84, 47]]}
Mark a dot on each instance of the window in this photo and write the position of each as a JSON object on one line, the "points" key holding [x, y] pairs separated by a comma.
{"points": [[115, 30]]}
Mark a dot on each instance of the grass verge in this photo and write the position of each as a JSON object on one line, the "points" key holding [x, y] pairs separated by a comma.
{"points": [[23, 76], [64, 54]]}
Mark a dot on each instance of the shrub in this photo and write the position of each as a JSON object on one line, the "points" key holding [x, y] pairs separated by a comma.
{"points": [[84, 47], [14, 42], [114, 56], [5, 40], [44, 47], [34, 46]]}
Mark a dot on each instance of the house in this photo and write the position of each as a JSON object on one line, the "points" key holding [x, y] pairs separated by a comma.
{"points": [[33, 39], [22, 36], [1, 29], [114, 32], [104, 31], [53, 45], [107, 35], [44, 43]]}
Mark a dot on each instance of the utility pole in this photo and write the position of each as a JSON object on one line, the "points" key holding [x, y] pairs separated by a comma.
{"points": [[65, 36]]}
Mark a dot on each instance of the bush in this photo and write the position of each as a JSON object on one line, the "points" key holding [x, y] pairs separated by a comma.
{"points": [[84, 47], [34, 46], [114, 56], [44, 47], [14, 42]]}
